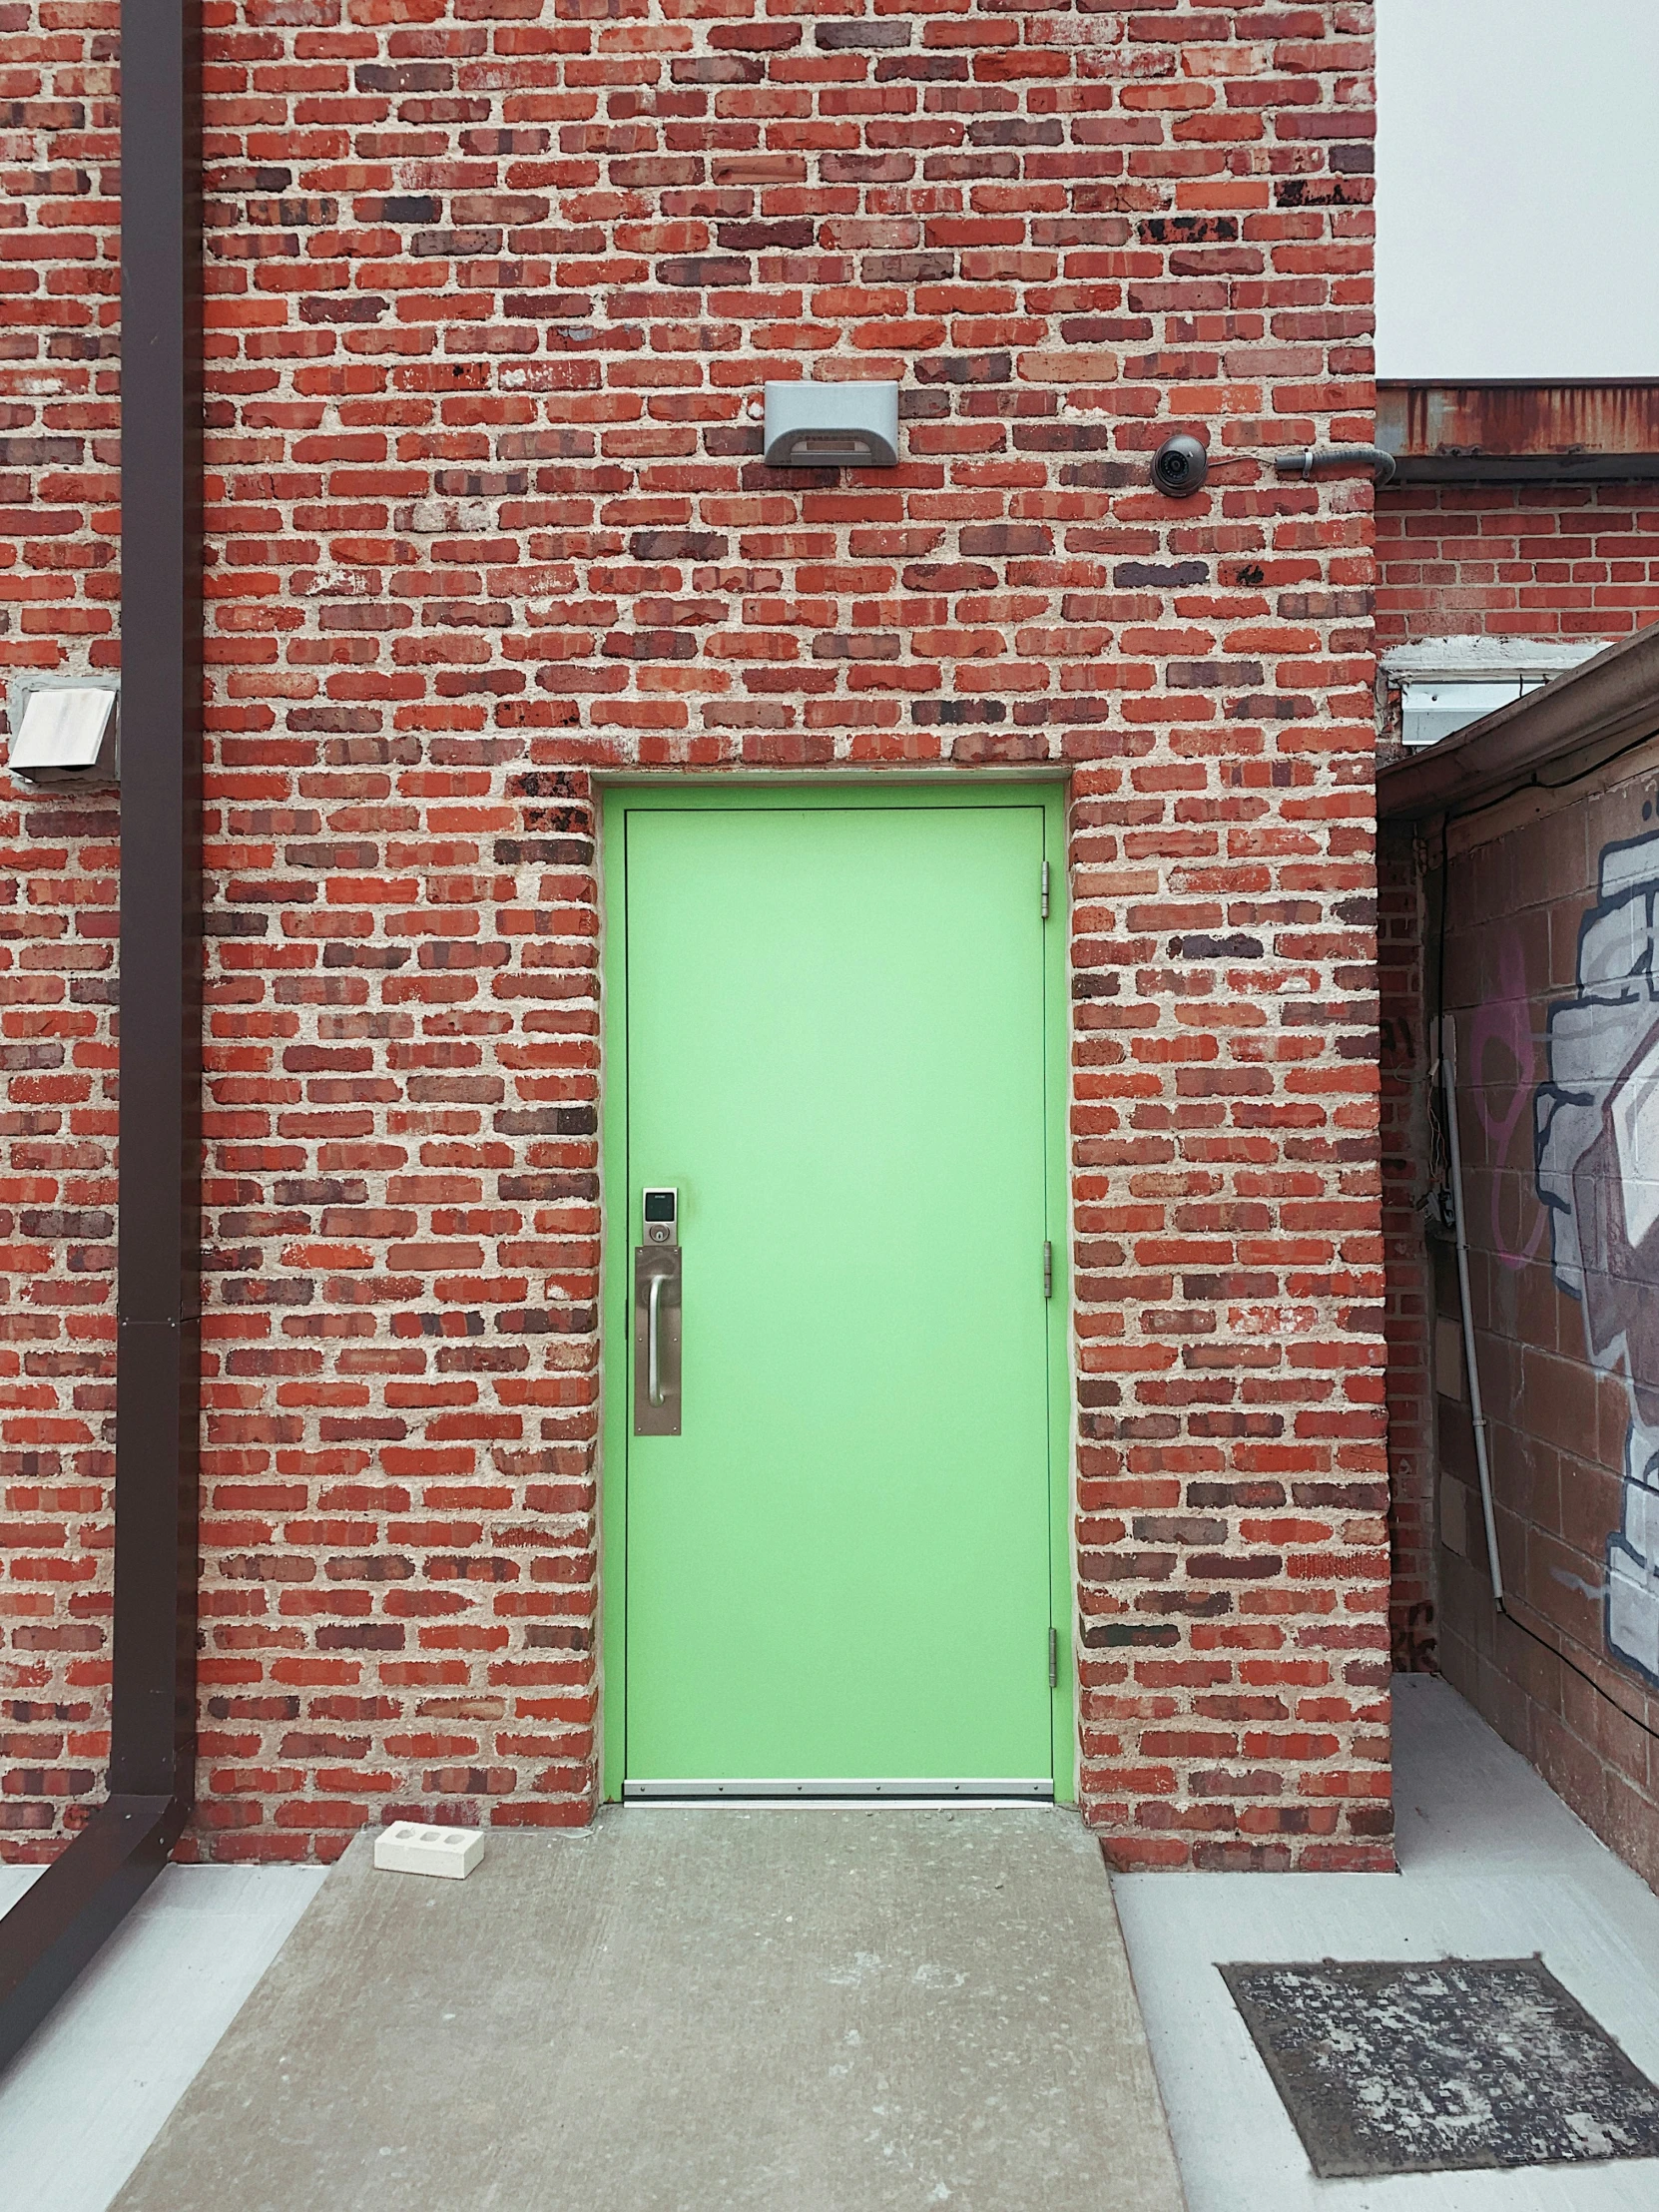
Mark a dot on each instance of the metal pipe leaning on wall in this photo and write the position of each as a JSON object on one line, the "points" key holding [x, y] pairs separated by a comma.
{"points": [[63, 1919], [1306, 460], [1471, 1363]]}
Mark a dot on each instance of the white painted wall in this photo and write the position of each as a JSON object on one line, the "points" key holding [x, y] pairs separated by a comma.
{"points": [[1517, 188]]}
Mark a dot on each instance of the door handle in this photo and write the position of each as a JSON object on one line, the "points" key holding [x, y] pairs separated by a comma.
{"points": [[652, 1341], [657, 1340]]}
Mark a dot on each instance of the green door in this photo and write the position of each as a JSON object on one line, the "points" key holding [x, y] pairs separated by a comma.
{"points": [[840, 1568]]}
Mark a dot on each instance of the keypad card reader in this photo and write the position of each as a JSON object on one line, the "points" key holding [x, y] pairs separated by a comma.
{"points": [[657, 1316]]}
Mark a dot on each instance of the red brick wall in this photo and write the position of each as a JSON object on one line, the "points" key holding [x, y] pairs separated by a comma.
{"points": [[1517, 560], [1406, 1056], [490, 289], [59, 609]]}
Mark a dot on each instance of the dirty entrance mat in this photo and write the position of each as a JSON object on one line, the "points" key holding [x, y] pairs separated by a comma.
{"points": [[1388, 2068]]}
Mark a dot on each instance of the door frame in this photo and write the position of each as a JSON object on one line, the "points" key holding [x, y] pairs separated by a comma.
{"points": [[842, 792]]}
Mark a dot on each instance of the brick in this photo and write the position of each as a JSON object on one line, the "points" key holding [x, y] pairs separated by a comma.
{"points": [[486, 515], [1527, 561]]}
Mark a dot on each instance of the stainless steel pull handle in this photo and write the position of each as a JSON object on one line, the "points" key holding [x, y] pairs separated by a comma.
{"points": [[653, 1351], [656, 1333]]}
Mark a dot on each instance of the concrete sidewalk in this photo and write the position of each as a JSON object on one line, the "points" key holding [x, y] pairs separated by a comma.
{"points": [[84, 2098], [680, 2010], [1492, 1866]]}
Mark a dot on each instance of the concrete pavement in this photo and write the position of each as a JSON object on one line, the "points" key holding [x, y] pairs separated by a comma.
{"points": [[809, 2009]]}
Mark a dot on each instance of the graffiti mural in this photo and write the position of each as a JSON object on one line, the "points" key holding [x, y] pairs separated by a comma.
{"points": [[1598, 1151]]}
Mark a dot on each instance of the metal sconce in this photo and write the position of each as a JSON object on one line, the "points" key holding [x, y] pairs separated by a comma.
{"points": [[831, 425]]}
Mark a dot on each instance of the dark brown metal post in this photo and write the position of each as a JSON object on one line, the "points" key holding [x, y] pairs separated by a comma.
{"points": [[62, 1919], [160, 920]]}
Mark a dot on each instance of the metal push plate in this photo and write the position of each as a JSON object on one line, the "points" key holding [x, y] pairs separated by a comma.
{"points": [[656, 1415]]}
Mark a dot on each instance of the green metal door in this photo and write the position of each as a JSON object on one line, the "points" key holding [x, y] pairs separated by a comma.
{"points": [[841, 1568]]}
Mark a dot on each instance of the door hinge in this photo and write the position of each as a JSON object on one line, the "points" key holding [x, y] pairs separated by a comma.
{"points": [[1048, 1268], [1045, 890], [1054, 1658]]}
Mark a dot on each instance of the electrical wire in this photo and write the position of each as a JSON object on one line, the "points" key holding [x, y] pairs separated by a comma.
{"points": [[1537, 783], [1507, 1609]]}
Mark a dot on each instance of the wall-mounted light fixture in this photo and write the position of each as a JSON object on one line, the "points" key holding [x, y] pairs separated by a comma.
{"points": [[831, 425], [65, 733]]}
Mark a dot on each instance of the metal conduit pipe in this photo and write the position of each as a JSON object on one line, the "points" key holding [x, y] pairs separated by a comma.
{"points": [[1448, 1078], [1307, 459]]}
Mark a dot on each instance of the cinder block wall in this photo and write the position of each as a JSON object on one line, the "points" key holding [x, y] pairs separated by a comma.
{"points": [[1522, 561], [491, 287], [1548, 972]]}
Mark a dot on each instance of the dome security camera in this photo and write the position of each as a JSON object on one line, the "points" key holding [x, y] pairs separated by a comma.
{"points": [[1180, 467]]}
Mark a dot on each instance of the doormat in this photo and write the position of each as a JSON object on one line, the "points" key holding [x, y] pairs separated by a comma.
{"points": [[1388, 2068]]}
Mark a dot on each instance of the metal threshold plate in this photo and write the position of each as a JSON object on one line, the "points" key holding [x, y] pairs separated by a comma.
{"points": [[931, 1788]]}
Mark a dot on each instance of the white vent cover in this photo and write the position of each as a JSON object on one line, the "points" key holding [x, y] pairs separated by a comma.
{"points": [[65, 734]]}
